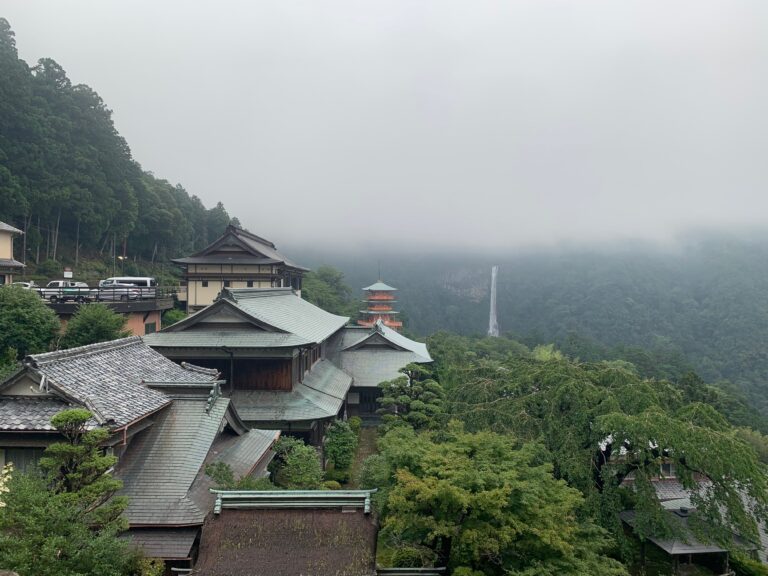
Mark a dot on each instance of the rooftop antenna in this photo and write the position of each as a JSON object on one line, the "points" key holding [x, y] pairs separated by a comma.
{"points": [[493, 323]]}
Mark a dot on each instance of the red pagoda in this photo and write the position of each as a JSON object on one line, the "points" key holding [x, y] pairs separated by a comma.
{"points": [[379, 298]]}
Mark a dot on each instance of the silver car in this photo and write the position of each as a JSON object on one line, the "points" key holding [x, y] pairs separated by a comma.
{"points": [[115, 291]]}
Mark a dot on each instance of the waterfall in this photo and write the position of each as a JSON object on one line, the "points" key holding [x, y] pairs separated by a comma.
{"points": [[493, 324]]}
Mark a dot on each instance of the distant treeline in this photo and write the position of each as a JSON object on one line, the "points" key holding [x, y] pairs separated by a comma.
{"points": [[68, 180], [702, 306]]}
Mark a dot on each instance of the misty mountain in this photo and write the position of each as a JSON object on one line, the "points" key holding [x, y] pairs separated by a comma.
{"points": [[705, 300]]}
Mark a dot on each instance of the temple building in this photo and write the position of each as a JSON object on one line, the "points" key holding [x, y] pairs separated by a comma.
{"points": [[238, 259], [379, 299], [272, 348], [166, 421], [8, 266]]}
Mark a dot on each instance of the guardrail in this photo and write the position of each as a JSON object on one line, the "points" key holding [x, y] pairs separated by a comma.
{"points": [[292, 499], [119, 294]]}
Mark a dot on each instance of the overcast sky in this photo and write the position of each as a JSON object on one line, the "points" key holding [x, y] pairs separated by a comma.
{"points": [[471, 123]]}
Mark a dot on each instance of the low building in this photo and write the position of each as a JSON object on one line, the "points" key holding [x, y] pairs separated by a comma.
{"points": [[284, 533], [272, 347], [8, 265], [371, 356], [142, 316], [238, 259], [167, 421]]}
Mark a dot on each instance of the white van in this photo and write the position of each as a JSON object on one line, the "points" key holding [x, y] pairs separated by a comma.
{"points": [[147, 285]]}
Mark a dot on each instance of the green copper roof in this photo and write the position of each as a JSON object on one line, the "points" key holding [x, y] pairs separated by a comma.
{"points": [[380, 287], [320, 396]]}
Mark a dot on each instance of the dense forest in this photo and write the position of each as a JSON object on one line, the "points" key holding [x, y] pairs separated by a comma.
{"points": [[67, 177], [702, 305]]}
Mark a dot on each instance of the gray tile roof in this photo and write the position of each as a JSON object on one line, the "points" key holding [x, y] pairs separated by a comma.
{"points": [[254, 246], [380, 287], [8, 228], [10, 263], [283, 309], [162, 463], [243, 453], [370, 367], [167, 543], [391, 336], [29, 412], [107, 378], [219, 338], [321, 395]]}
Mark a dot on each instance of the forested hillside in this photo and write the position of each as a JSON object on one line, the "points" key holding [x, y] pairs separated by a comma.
{"points": [[703, 305], [67, 177]]}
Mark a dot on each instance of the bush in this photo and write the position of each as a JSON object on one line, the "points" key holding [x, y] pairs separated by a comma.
{"points": [[26, 324], [340, 445], [356, 423], [172, 316], [94, 323], [224, 479], [336, 475], [331, 485], [375, 472], [744, 566], [295, 465]]}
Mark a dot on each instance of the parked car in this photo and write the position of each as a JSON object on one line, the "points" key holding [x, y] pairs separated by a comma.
{"points": [[65, 290], [27, 285], [115, 291], [146, 285]]}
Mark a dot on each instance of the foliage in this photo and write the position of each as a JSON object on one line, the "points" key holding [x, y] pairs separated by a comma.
{"points": [[356, 423], [602, 422], [486, 503], [744, 566], [295, 465], [26, 324], [67, 177], [8, 362], [326, 289], [94, 323], [340, 445], [66, 523], [224, 479], [414, 398], [331, 485], [170, 317]]}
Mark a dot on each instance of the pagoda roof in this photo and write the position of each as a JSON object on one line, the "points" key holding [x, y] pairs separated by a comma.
{"points": [[237, 245], [379, 312], [379, 287]]}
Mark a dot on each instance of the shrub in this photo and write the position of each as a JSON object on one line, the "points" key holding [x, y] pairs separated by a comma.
{"points": [[172, 316], [295, 465], [340, 445], [356, 423], [331, 485], [336, 475], [94, 323]]}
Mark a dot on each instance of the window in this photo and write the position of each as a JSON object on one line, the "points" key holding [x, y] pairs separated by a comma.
{"points": [[23, 459], [150, 327], [667, 470], [249, 284], [226, 283], [204, 283]]}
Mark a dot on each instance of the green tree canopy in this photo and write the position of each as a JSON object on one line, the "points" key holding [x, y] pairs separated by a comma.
{"points": [[484, 504], [94, 323], [326, 289], [601, 423], [66, 522], [27, 325]]}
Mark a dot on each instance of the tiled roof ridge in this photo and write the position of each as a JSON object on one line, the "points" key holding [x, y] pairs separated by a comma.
{"points": [[242, 232], [237, 293], [47, 357], [199, 369]]}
